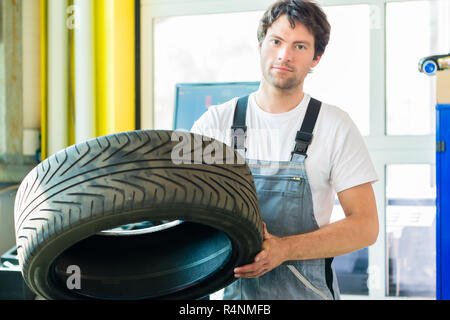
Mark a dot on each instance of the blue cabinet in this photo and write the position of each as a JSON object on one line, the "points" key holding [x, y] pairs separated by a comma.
{"points": [[443, 201]]}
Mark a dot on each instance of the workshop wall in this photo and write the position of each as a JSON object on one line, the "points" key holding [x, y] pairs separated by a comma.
{"points": [[31, 59], [87, 70]]}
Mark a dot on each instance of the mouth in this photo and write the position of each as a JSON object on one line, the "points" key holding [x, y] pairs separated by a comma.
{"points": [[282, 69]]}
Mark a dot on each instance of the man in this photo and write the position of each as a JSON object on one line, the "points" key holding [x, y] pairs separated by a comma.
{"points": [[317, 150]]}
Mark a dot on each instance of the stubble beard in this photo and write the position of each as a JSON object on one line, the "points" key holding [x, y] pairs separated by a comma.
{"points": [[282, 84]]}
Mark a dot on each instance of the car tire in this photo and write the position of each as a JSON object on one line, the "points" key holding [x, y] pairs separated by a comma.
{"points": [[66, 207]]}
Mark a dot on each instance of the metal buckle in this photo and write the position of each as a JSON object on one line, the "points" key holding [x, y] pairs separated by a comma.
{"points": [[238, 135], [302, 141]]}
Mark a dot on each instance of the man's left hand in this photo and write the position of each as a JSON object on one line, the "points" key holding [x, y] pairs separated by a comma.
{"points": [[270, 257]]}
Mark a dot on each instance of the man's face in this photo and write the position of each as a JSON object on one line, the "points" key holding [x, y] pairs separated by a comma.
{"points": [[287, 54]]}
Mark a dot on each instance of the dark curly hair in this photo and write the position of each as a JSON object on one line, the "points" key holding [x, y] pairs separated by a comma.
{"points": [[307, 13]]}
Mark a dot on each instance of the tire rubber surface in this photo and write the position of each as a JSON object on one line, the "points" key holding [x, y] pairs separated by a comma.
{"points": [[64, 204]]}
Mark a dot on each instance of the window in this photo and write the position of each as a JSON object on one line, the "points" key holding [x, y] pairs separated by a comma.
{"points": [[187, 51], [423, 31], [411, 230], [342, 76]]}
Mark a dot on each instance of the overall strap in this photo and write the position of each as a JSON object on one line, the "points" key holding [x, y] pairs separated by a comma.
{"points": [[239, 129], [304, 135]]}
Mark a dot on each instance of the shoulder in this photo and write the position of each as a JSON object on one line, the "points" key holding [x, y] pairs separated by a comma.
{"points": [[333, 121], [348, 157], [336, 131], [215, 114], [223, 110], [333, 115], [216, 120]]}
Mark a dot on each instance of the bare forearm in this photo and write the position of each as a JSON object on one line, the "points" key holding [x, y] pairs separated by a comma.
{"points": [[332, 240], [358, 230]]}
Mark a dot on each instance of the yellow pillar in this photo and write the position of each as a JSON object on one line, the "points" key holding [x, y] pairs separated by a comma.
{"points": [[43, 79], [71, 106], [114, 61], [124, 65]]}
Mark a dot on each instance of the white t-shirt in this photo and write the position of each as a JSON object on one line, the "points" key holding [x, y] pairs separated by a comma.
{"points": [[338, 158]]}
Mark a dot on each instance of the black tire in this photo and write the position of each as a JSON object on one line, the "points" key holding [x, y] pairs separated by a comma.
{"points": [[65, 204]]}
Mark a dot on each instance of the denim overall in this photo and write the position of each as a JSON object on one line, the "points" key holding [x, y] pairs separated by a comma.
{"points": [[287, 209]]}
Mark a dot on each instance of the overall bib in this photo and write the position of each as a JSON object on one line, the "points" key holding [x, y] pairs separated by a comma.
{"points": [[286, 207]]}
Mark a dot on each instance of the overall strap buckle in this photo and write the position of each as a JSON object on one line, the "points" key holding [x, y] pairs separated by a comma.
{"points": [[304, 136], [302, 142], [239, 136], [239, 129]]}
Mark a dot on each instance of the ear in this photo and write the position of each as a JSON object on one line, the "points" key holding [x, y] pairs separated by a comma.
{"points": [[316, 61]]}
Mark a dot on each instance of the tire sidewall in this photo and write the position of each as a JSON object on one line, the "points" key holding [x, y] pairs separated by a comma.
{"points": [[242, 239]]}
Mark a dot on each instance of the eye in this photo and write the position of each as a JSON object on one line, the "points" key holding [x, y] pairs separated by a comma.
{"points": [[275, 41], [300, 47]]}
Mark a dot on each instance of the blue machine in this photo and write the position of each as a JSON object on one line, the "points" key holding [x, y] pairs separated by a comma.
{"points": [[193, 99], [443, 202]]}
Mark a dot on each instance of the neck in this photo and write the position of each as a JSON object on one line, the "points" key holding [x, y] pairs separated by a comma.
{"points": [[274, 100]]}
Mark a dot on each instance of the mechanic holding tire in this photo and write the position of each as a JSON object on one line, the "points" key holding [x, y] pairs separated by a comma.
{"points": [[297, 172]]}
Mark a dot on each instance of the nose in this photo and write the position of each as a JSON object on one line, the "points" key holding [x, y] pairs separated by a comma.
{"points": [[284, 54]]}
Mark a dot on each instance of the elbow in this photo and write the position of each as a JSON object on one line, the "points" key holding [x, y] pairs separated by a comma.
{"points": [[372, 232], [368, 230], [372, 237]]}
